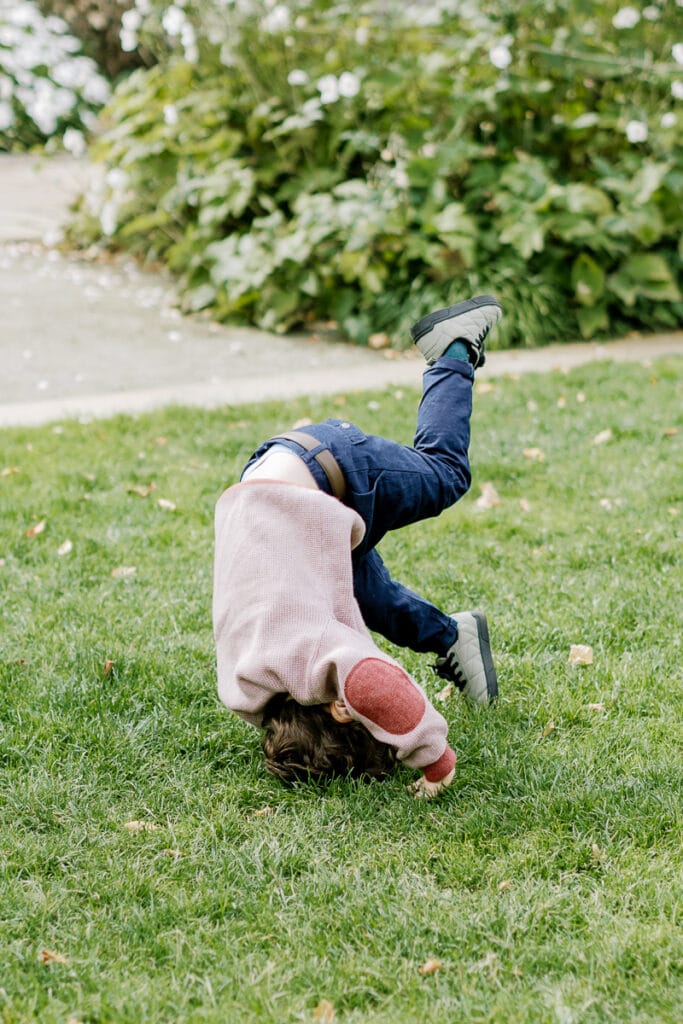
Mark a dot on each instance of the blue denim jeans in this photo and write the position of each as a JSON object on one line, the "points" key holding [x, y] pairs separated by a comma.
{"points": [[391, 485]]}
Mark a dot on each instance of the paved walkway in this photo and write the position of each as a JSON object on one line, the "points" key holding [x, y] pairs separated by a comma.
{"points": [[87, 338]]}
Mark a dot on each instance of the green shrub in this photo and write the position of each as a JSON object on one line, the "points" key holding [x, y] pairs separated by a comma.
{"points": [[365, 162]]}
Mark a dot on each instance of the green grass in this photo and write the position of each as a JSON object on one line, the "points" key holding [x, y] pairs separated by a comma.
{"points": [[547, 880]]}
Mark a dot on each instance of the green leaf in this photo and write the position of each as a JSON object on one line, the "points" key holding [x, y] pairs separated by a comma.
{"points": [[592, 319], [647, 275], [588, 280]]}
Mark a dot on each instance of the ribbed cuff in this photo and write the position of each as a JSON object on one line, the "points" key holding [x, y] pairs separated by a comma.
{"points": [[438, 770]]}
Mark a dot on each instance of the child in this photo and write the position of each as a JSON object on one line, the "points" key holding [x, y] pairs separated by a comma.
{"points": [[299, 583]]}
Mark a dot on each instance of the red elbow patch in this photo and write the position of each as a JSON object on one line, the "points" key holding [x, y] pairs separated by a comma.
{"points": [[384, 694]]}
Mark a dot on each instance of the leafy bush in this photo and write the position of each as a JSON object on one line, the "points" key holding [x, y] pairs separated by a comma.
{"points": [[47, 86], [366, 162], [98, 24]]}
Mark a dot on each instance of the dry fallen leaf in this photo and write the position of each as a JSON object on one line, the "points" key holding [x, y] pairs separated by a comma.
{"points": [[484, 387], [548, 729], [160, 441], [504, 886], [562, 402], [172, 853], [580, 654], [169, 506], [580, 397], [430, 966], [489, 497], [141, 826], [142, 491], [65, 548], [33, 531], [108, 666], [340, 400], [123, 570], [262, 812], [446, 692], [380, 340], [10, 470], [524, 505], [47, 956], [602, 438], [596, 707], [324, 1012], [534, 453], [670, 431], [300, 424]]}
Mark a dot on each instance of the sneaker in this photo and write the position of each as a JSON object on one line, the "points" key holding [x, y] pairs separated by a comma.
{"points": [[468, 322], [468, 662]]}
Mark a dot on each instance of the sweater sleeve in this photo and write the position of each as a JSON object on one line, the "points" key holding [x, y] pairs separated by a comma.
{"points": [[383, 697]]}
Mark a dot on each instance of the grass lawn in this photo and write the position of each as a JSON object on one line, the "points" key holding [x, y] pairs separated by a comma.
{"points": [[547, 882]]}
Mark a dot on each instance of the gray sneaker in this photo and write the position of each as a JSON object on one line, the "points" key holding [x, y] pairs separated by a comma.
{"points": [[468, 322], [468, 662]]}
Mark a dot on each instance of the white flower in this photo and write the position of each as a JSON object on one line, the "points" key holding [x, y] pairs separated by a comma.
{"points": [[116, 179], [636, 131], [500, 57], [109, 218], [128, 40], [131, 20], [170, 114], [144, 6], [6, 115], [173, 20], [328, 89], [668, 120], [651, 13], [349, 84], [677, 52], [297, 77], [626, 17], [677, 90], [74, 142], [276, 20], [6, 89]]}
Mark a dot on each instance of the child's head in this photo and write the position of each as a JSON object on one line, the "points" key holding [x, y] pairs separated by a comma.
{"points": [[305, 741]]}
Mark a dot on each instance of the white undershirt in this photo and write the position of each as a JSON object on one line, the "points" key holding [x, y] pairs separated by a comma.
{"points": [[280, 463]]}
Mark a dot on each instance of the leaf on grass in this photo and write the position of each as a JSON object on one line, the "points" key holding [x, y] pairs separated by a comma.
{"points": [[489, 497], [9, 471], [548, 729], [669, 431], [484, 387], [141, 490], [123, 570], [141, 826], [160, 441], [172, 853], [169, 506], [48, 956], [446, 692], [580, 397], [524, 505], [596, 707], [602, 438], [305, 422], [262, 812], [580, 654], [562, 402], [108, 666], [340, 400], [430, 966], [65, 548], [2, 562], [534, 453], [38, 528], [379, 340], [596, 853], [504, 886], [324, 1012]]}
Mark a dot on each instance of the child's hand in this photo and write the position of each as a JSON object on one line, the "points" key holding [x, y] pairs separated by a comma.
{"points": [[423, 789]]}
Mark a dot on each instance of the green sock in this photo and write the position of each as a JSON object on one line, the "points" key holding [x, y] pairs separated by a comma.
{"points": [[458, 350]]}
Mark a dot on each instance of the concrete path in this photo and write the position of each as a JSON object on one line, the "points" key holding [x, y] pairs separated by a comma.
{"points": [[87, 338]]}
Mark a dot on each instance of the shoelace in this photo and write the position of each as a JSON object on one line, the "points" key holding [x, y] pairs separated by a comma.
{"points": [[449, 668]]}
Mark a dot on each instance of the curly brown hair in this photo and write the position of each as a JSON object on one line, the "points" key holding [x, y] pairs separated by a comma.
{"points": [[303, 742]]}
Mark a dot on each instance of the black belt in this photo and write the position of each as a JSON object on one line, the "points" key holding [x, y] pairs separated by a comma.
{"points": [[324, 458]]}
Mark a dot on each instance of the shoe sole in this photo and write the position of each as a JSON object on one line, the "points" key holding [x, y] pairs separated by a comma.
{"points": [[485, 651], [433, 348]]}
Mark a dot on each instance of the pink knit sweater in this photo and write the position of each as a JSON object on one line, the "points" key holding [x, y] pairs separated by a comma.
{"points": [[286, 620]]}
